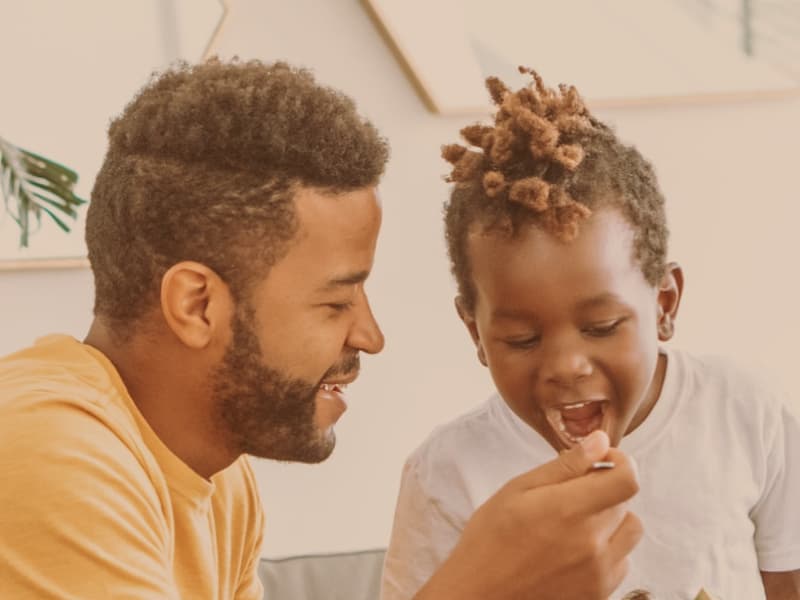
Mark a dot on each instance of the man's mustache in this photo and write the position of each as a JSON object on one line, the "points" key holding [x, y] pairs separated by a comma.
{"points": [[350, 364]]}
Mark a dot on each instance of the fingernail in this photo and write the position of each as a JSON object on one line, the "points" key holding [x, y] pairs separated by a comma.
{"points": [[595, 442]]}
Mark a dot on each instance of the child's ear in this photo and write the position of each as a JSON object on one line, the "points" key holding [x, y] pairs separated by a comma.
{"points": [[670, 291], [468, 318]]}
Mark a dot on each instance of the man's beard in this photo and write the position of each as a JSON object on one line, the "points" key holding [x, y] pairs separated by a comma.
{"points": [[265, 412]]}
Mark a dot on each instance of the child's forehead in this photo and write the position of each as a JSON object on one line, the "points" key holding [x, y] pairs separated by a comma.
{"points": [[534, 262], [606, 232]]}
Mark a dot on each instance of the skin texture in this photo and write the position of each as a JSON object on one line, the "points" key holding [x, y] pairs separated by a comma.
{"points": [[563, 322], [303, 324], [782, 586]]}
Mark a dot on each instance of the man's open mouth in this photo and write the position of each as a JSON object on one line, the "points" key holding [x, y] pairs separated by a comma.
{"points": [[333, 387], [574, 421]]}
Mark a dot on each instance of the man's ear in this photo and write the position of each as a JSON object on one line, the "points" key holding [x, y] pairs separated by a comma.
{"points": [[196, 304], [468, 318], [670, 290]]}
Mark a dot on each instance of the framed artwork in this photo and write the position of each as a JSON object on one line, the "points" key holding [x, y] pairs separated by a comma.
{"points": [[69, 68], [617, 52]]}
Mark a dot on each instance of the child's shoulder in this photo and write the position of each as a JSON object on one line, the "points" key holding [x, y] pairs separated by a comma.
{"points": [[732, 382], [464, 430], [471, 440], [462, 462]]}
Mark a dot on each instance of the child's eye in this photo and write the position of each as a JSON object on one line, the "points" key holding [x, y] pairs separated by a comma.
{"points": [[603, 329], [524, 343]]}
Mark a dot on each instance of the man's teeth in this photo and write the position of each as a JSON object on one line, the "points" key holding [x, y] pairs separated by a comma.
{"points": [[333, 387]]}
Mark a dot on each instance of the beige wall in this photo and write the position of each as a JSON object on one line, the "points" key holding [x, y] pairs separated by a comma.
{"points": [[729, 174]]}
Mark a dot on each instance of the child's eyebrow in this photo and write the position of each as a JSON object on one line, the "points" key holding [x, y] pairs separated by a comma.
{"points": [[599, 300], [520, 314], [506, 314]]}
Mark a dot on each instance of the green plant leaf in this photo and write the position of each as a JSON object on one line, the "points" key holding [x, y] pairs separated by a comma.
{"points": [[32, 185]]}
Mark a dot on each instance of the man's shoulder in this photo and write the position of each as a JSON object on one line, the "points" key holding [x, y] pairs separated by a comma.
{"points": [[55, 368], [59, 410]]}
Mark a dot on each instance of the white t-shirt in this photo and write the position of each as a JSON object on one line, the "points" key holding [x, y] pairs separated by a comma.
{"points": [[719, 467]]}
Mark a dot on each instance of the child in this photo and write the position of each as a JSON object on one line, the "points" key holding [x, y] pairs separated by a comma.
{"points": [[557, 239]]}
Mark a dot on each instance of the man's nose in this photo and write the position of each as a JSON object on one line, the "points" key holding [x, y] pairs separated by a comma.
{"points": [[366, 334]]}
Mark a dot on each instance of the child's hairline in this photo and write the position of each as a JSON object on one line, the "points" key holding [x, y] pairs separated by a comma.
{"points": [[482, 226]]}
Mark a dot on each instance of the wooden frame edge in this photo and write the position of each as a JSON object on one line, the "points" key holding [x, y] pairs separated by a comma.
{"points": [[215, 35], [41, 264]]}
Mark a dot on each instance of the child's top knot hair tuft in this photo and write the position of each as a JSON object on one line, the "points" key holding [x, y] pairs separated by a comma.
{"points": [[544, 160], [535, 130]]}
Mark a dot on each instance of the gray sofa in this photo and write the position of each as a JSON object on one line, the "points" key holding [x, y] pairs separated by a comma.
{"points": [[344, 576]]}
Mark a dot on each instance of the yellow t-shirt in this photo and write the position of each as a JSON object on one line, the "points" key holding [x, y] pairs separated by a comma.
{"points": [[94, 505]]}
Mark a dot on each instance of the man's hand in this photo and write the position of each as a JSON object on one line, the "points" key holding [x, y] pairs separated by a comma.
{"points": [[558, 531]]}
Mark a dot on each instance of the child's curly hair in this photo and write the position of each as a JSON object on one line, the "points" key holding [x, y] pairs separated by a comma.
{"points": [[547, 161], [203, 164]]}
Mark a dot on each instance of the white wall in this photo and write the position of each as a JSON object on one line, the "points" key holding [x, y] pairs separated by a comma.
{"points": [[729, 174]]}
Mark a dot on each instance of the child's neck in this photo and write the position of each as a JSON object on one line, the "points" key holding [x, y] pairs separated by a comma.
{"points": [[652, 394]]}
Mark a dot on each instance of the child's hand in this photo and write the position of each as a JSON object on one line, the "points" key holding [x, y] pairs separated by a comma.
{"points": [[558, 531]]}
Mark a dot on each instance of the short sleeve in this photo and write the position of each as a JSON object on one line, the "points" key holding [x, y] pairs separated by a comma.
{"points": [[777, 513], [423, 535], [79, 517]]}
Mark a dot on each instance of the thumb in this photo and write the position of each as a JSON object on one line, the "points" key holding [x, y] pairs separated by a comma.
{"points": [[569, 464]]}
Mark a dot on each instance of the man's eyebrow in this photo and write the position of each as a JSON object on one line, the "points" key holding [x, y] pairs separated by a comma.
{"points": [[345, 280]]}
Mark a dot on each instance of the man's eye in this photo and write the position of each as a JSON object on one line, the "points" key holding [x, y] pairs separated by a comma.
{"points": [[340, 306], [603, 329]]}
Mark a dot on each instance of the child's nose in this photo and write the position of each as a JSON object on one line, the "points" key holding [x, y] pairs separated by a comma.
{"points": [[564, 365]]}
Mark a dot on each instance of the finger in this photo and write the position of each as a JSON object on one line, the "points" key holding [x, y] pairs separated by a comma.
{"points": [[615, 575], [599, 490], [606, 522], [569, 464], [621, 544]]}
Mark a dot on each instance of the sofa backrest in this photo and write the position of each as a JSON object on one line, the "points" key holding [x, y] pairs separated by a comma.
{"points": [[344, 576]]}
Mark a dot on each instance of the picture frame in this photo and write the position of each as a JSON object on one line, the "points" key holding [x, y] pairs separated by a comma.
{"points": [[619, 53], [90, 58]]}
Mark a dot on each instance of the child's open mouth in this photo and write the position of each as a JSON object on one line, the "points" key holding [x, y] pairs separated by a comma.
{"points": [[573, 422]]}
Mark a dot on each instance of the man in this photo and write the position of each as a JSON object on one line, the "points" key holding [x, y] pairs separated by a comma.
{"points": [[231, 229]]}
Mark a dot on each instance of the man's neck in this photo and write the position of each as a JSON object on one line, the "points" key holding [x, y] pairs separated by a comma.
{"points": [[170, 386]]}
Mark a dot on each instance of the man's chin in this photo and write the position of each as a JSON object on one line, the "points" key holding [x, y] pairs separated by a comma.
{"points": [[314, 451], [321, 450]]}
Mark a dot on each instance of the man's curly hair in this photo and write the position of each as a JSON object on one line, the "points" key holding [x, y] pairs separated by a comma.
{"points": [[547, 161], [203, 164]]}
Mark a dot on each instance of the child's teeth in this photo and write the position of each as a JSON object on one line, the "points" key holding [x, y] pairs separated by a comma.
{"points": [[573, 406]]}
